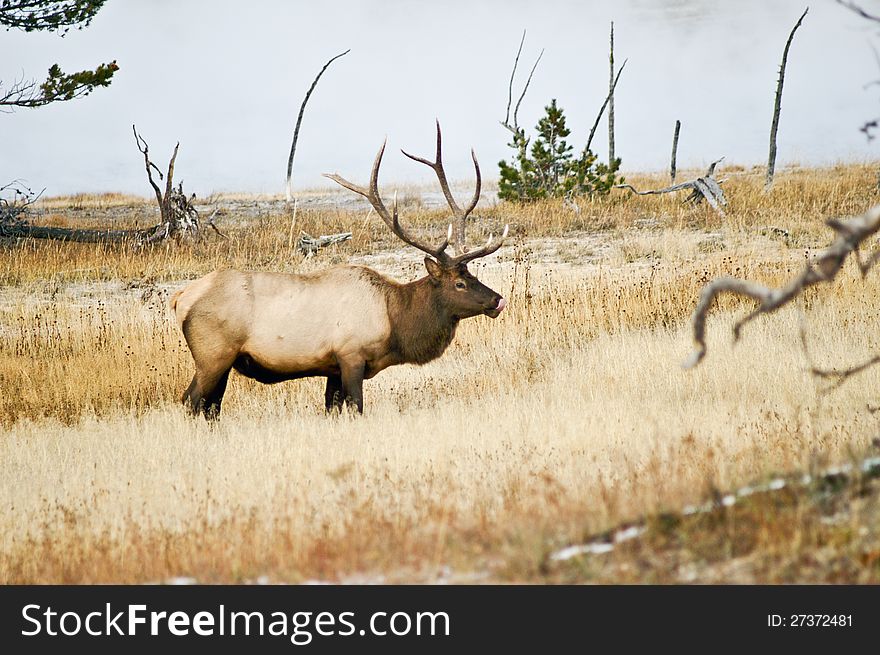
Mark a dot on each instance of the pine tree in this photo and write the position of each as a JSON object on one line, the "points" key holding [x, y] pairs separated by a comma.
{"points": [[54, 16], [552, 171], [550, 152]]}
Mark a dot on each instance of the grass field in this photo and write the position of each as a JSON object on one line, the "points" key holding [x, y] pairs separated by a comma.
{"points": [[565, 417]]}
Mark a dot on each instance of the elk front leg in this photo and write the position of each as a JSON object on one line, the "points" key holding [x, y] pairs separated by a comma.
{"points": [[333, 394], [353, 384]]}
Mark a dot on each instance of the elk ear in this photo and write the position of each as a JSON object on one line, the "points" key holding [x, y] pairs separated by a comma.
{"points": [[434, 269]]}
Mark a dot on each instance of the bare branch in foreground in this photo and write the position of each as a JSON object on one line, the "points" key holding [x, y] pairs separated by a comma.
{"points": [[851, 233]]}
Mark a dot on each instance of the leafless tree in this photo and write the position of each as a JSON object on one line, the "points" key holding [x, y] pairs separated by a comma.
{"points": [[513, 127], [179, 217], [777, 104], [299, 118]]}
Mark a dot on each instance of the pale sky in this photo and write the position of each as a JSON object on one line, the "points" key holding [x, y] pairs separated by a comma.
{"points": [[227, 78]]}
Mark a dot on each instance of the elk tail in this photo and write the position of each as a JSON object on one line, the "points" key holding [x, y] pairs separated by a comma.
{"points": [[173, 300]]}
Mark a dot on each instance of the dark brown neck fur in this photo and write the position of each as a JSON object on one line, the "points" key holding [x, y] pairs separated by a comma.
{"points": [[421, 329]]}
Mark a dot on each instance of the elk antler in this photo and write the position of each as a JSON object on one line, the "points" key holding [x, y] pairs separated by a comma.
{"points": [[463, 254], [371, 193]]}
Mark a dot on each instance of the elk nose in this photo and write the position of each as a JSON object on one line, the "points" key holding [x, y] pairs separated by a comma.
{"points": [[502, 303]]}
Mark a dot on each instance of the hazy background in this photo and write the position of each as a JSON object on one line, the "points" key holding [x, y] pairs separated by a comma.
{"points": [[227, 78]]}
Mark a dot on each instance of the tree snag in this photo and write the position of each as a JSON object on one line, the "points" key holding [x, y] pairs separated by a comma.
{"points": [[777, 105], [703, 188], [674, 151], [299, 118], [608, 100], [612, 82], [179, 217], [851, 234]]}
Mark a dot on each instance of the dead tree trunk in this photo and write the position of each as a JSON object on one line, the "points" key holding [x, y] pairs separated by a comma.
{"points": [[777, 105], [299, 118], [611, 85], [179, 217], [674, 151]]}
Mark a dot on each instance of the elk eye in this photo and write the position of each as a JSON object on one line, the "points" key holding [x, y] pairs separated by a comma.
{"points": [[460, 285]]}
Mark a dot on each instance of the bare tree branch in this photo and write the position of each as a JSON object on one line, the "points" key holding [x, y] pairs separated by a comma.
{"points": [[169, 179], [512, 75], [838, 377], [604, 104], [526, 88], [515, 129], [852, 6], [851, 233], [299, 118], [145, 150]]}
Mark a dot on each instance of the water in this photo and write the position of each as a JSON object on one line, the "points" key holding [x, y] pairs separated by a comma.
{"points": [[228, 84]]}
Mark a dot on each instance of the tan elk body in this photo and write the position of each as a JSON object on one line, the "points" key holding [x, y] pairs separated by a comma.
{"points": [[346, 323]]}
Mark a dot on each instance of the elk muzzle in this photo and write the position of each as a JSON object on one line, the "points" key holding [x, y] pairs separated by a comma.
{"points": [[495, 311]]}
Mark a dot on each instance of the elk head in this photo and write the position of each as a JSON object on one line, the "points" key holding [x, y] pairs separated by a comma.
{"points": [[456, 288]]}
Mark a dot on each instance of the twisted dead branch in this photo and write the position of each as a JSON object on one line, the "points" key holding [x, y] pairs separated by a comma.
{"points": [[851, 233], [703, 188]]}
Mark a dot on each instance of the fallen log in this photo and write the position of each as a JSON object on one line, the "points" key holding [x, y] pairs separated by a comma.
{"points": [[703, 188], [24, 229], [309, 245]]}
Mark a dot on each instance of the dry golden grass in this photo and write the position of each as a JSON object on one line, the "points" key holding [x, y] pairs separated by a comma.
{"points": [[80, 201], [565, 416]]}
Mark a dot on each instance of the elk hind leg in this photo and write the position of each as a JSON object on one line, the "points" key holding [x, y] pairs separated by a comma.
{"points": [[205, 393], [214, 398]]}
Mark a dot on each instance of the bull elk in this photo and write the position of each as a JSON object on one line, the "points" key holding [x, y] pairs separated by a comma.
{"points": [[345, 323]]}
